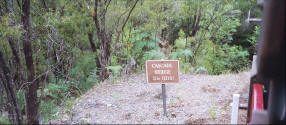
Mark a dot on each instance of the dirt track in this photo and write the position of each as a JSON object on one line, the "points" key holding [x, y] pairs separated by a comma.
{"points": [[196, 99]]}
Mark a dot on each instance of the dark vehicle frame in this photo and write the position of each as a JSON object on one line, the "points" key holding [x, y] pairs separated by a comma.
{"points": [[267, 95]]}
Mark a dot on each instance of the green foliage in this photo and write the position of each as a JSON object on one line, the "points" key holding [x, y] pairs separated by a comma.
{"points": [[84, 64], [146, 46], [91, 79], [180, 43], [113, 60], [238, 58], [181, 53], [212, 112], [21, 99], [254, 38], [4, 120], [185, 67], [153, 55], [114, 69], [48, 109], [81, 78], [59, 91], [115, 72], [7, 29], [222, 59], [144, 40], [201, 70]]}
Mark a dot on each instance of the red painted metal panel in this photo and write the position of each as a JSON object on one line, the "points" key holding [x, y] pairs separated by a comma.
{"points": [[257, 98]]}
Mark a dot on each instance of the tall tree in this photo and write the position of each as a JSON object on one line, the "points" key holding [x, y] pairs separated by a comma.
{"points": [[19, 73], [32, 103], [104, 38], [14, 111]]}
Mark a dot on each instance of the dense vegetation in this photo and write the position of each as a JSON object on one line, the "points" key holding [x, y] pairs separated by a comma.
{"points": [[54, 50]]}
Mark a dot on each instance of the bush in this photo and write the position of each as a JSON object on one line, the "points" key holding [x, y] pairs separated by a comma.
{"points": [[84, 64], [80, 79], [115, 72], [153, 55], [237, 59], [4, 120], [201, 70], [218, 59]]}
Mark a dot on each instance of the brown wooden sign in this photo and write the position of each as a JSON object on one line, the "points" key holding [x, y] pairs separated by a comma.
{"points": [[162, 71]]}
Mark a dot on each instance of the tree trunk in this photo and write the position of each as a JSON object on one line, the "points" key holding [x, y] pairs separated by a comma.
{"points": [[91, 41], [93, 48], [104, 57], [57, 70], [32, 103], [14, 111], [103, 40], [195, 26], [16, 57], [18, 75]]}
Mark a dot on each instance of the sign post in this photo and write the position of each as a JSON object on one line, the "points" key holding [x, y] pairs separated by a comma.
{"points": [[161, 72], [164, 99]]}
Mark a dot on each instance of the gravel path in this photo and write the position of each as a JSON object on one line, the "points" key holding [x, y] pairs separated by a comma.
{"points": [[197, 99]]}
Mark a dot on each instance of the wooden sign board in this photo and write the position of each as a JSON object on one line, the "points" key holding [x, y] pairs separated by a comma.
{"points": [[162, 71]]}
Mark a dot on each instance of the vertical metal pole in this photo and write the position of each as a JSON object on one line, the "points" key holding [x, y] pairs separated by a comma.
{"points": [[164, 99]]}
